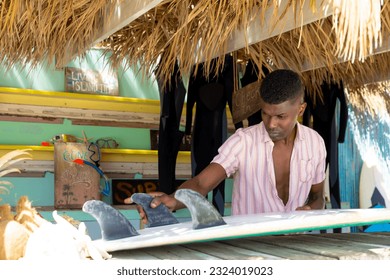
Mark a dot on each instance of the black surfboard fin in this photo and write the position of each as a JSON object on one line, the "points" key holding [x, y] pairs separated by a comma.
{"points": [[113, 224], [203, 213], [159, 216]]}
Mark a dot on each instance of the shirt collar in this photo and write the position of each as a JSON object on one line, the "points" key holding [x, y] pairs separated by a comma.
{"points": [[300, 135]]}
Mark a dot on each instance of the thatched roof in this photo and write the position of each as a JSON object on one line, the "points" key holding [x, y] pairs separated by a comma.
{"points": [[322, 39]]}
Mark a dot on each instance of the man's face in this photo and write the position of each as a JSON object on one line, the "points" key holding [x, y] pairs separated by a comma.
{"points": [[280, 119]]}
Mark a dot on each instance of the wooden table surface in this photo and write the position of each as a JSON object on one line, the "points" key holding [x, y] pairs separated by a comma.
{"points": [[326, 246]]}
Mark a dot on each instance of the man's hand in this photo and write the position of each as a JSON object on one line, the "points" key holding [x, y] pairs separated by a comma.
{"points": [[304, 207], [158, 197]]}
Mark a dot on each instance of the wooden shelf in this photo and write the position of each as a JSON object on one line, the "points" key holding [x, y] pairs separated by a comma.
{"points": [[88, 109], [78, 100], [108, 155], [114, 161]]}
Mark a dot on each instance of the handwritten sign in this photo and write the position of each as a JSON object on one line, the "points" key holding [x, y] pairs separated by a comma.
{"points": [[74, 184], [91, 81], [246, 102]]}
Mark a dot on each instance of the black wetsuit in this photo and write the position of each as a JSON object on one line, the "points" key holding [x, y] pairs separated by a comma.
{"points": [[170, 137], [210, 125], [324, 122]]}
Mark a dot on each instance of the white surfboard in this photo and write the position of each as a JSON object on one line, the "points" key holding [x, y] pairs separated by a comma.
{"points": [[232, 227], [247, 226], [372, 188]]}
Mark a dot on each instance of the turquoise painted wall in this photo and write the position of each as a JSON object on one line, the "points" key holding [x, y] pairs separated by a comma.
{"points": [[45, 77], [40, 191], [26, 133]]}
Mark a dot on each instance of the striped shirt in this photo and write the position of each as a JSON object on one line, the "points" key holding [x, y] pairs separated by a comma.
{"points": [[247, 156]]}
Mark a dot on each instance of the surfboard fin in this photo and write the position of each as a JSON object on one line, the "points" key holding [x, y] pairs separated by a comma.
{"points": [[203, 213], [159, 216], [113, 224]]}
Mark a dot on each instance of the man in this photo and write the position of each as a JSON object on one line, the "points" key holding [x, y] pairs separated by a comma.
{"points": [[277, 165]]}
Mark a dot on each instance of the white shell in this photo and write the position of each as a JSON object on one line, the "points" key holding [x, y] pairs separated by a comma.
{"points": [[62, 241]]}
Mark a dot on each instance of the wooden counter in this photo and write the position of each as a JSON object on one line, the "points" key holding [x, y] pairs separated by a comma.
{"points": [[327, 246]]}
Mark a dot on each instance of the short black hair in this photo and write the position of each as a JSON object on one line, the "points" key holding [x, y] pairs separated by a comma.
{"points": [[281, 85]]}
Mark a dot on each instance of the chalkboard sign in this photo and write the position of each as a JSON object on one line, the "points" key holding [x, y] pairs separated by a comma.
{"points": [[124, 188], [246, 102], [185, 144]]}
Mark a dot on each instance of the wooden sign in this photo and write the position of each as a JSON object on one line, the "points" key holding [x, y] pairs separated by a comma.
{"points": [[185, 144], [246, 101], [91, 81], [124, 188], [74, 184]]}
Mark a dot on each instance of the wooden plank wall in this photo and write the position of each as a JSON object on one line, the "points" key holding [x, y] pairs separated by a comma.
{"points": [[366, 136], [350, 165]]}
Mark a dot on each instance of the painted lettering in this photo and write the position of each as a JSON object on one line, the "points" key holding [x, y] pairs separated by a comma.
{"points": [[70, 155]]}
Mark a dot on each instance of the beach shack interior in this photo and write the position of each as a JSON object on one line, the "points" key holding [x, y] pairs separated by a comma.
{"points": [[108, 82]]}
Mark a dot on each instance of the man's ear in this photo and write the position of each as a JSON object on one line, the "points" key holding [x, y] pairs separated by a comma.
{"points": [[302, 108]]}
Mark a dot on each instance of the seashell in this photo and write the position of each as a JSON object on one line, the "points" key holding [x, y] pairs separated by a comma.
{"points": [[50, 242], [5, 213], [13, 240], [62, 241]]}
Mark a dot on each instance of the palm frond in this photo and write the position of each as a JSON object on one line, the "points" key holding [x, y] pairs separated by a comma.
{"points": [[8, 160], [12, 157]]}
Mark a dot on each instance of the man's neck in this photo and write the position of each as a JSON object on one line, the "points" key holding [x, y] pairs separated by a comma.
{"points": [[289, 140]]}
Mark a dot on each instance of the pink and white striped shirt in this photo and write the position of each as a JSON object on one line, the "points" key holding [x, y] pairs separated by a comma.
{"points": [[247, 155]]}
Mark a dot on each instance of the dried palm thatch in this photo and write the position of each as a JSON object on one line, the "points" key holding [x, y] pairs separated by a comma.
{"points": [[336, 48], [190, 31], [33, 31], [186, 31], [314, 47]]}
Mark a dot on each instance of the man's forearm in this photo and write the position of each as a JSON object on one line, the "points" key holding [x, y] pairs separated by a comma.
{"points": [[317, 202]]}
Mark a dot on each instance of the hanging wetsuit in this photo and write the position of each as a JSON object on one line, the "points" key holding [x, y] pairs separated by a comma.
{"points": [[209, 130], [324, 122], [170, 137]]}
